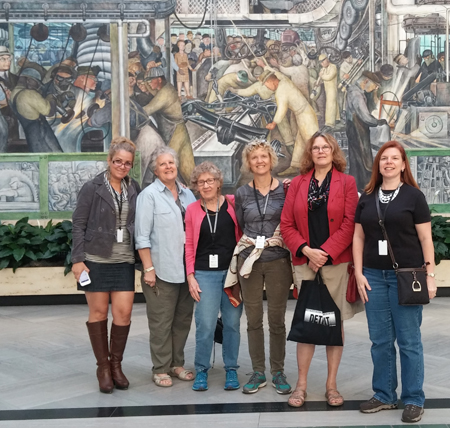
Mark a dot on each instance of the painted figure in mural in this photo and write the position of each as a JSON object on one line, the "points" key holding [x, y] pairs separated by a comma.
{"points": [[206, 42], [298, 72], [8, 122], [140, 92], [182, 61], [31, 108], [288, 97], [344, 75], [18, 191], [237, 80], [429, 65], [23, 62], [359, 120], [328, 74], [166, 108], [87, 78], [61, 84], [384, 75], [69, 62]]}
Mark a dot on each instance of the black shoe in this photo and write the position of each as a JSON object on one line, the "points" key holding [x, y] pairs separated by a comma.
{"points": [[374, 405], [412, 413]]}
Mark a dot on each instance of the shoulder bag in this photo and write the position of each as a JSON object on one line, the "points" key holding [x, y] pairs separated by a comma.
{"points": [[411, 282]]}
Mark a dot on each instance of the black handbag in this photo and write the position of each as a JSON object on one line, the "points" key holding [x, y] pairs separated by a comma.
{"points": [[411, 282], [317, 319]]}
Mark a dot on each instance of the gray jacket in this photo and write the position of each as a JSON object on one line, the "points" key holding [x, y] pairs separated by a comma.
{"points": [[94, 219]]}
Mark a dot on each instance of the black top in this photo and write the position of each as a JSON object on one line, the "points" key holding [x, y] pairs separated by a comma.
{"points": [[406, 210], [224, 240], [319, 230], [251, 221]]}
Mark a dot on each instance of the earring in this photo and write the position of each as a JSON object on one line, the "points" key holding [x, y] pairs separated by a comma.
{"points": [[403, 170]]}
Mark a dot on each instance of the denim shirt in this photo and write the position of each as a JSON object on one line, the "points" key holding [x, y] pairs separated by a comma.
{"points": [[159, 226]]}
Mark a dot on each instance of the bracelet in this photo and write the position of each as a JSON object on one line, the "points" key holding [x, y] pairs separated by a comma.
{"points": [[431, 274], [149, 269]]}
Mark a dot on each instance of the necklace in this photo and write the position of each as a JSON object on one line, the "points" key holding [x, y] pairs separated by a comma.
{"points": [[384, 199]]}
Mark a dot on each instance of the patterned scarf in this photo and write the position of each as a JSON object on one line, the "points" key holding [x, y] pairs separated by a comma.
{"points": [[318, 195]]}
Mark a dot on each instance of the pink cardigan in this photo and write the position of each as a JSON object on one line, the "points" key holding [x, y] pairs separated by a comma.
{"points": [[193, 219], [342, 203]]}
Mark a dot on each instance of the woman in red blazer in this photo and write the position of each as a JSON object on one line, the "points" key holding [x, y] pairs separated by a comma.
{"points": [[317, 225]]}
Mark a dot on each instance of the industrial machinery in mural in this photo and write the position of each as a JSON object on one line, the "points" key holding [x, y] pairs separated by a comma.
{"points": [[207, 87]]}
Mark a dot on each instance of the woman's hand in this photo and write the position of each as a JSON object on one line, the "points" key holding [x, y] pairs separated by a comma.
{"points": [[313, 266], [432, 288], [78, 268], [287, 182], [150, 278], [316, 255], [363, 286], [194, 288]]}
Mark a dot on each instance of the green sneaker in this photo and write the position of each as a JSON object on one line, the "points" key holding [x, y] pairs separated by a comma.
{"points": [[257, 380], [279, 382]]}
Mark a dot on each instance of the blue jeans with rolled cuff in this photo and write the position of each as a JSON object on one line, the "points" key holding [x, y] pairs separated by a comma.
{"points": [[212, 300], [389, 322]]}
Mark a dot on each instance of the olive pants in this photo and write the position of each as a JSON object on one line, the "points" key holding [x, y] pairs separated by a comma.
{"points": [[276, 276]]}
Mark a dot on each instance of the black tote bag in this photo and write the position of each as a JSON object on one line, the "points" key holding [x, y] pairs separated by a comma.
{"points": [[317, 319]]}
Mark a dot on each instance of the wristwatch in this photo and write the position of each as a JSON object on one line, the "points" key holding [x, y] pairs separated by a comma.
{"points": [[431, 274], [152, 268]]}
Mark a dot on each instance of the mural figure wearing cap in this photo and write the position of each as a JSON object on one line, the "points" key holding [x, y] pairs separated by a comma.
{"points": [[344, 73], [328, 73], [87, 78], [237, 80], [385, 76], [429, 65], [31, 108], [289, 97], [359, 121], [165, 107], [8, 79]]}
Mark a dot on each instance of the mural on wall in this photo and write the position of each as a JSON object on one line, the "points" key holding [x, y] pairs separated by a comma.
{"points": [[228, 85], [19, 186], [65, 180]]}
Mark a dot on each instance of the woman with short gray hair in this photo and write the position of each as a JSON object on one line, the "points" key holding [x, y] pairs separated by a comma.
{"points": [[160, 215], [212, 231]]}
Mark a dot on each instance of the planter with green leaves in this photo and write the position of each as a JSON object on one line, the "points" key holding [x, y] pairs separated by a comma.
{"points": [[440, 229]]}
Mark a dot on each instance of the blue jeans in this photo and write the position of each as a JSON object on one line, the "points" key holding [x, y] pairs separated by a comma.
{"points": [[388, 321], [212, 299]]}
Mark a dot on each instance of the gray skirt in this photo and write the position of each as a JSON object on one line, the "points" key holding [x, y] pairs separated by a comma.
{"points": [[109, 277]]}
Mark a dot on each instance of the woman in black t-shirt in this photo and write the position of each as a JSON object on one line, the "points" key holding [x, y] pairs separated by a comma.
{"points": [[212, 232], [408, 225]]}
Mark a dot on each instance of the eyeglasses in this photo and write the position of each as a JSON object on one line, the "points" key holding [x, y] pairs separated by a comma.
{"points": [[317, 149], [119, 163], [209, 182]]}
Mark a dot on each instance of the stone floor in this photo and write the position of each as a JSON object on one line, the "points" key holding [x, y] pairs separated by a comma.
{"points": [[47, 378]]}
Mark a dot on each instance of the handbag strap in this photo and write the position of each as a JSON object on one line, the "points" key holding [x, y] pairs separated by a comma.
{"points": [[383, 228]]}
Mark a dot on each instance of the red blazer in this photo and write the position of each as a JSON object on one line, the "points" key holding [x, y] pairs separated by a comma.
{"points": [[193, 219], [342, 203]]}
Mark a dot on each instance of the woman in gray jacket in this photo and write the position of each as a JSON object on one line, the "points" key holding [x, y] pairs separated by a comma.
{"points": [[103, 247]]}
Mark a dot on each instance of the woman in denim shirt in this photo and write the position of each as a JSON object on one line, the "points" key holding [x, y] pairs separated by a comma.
{"points": [[160, 240]]}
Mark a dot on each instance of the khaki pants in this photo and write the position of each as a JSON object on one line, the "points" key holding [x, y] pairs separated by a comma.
{"points": [[277, 277], [169, 313]]}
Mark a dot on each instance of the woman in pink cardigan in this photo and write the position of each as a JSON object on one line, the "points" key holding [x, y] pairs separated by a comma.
{"points": [[317, 225], [212, 232]]}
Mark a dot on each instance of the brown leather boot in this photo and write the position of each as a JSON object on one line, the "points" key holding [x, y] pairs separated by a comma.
{"points": [[98, 333], [119, 336]]}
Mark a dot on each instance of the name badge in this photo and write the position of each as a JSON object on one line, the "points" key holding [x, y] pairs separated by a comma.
{"points": [[213, 260], [382, 247], [119, 235], [260, 242]]}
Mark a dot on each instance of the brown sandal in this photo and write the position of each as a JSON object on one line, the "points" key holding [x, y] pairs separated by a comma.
{"points": [[297, 398], [334, 398]]}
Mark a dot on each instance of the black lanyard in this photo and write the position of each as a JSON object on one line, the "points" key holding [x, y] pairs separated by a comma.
{"points": [[262, 214], [213, 231], [119, 204]]}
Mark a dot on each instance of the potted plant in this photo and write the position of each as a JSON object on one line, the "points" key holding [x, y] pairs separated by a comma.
{"points": [[36, 259], [440, 230]]}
